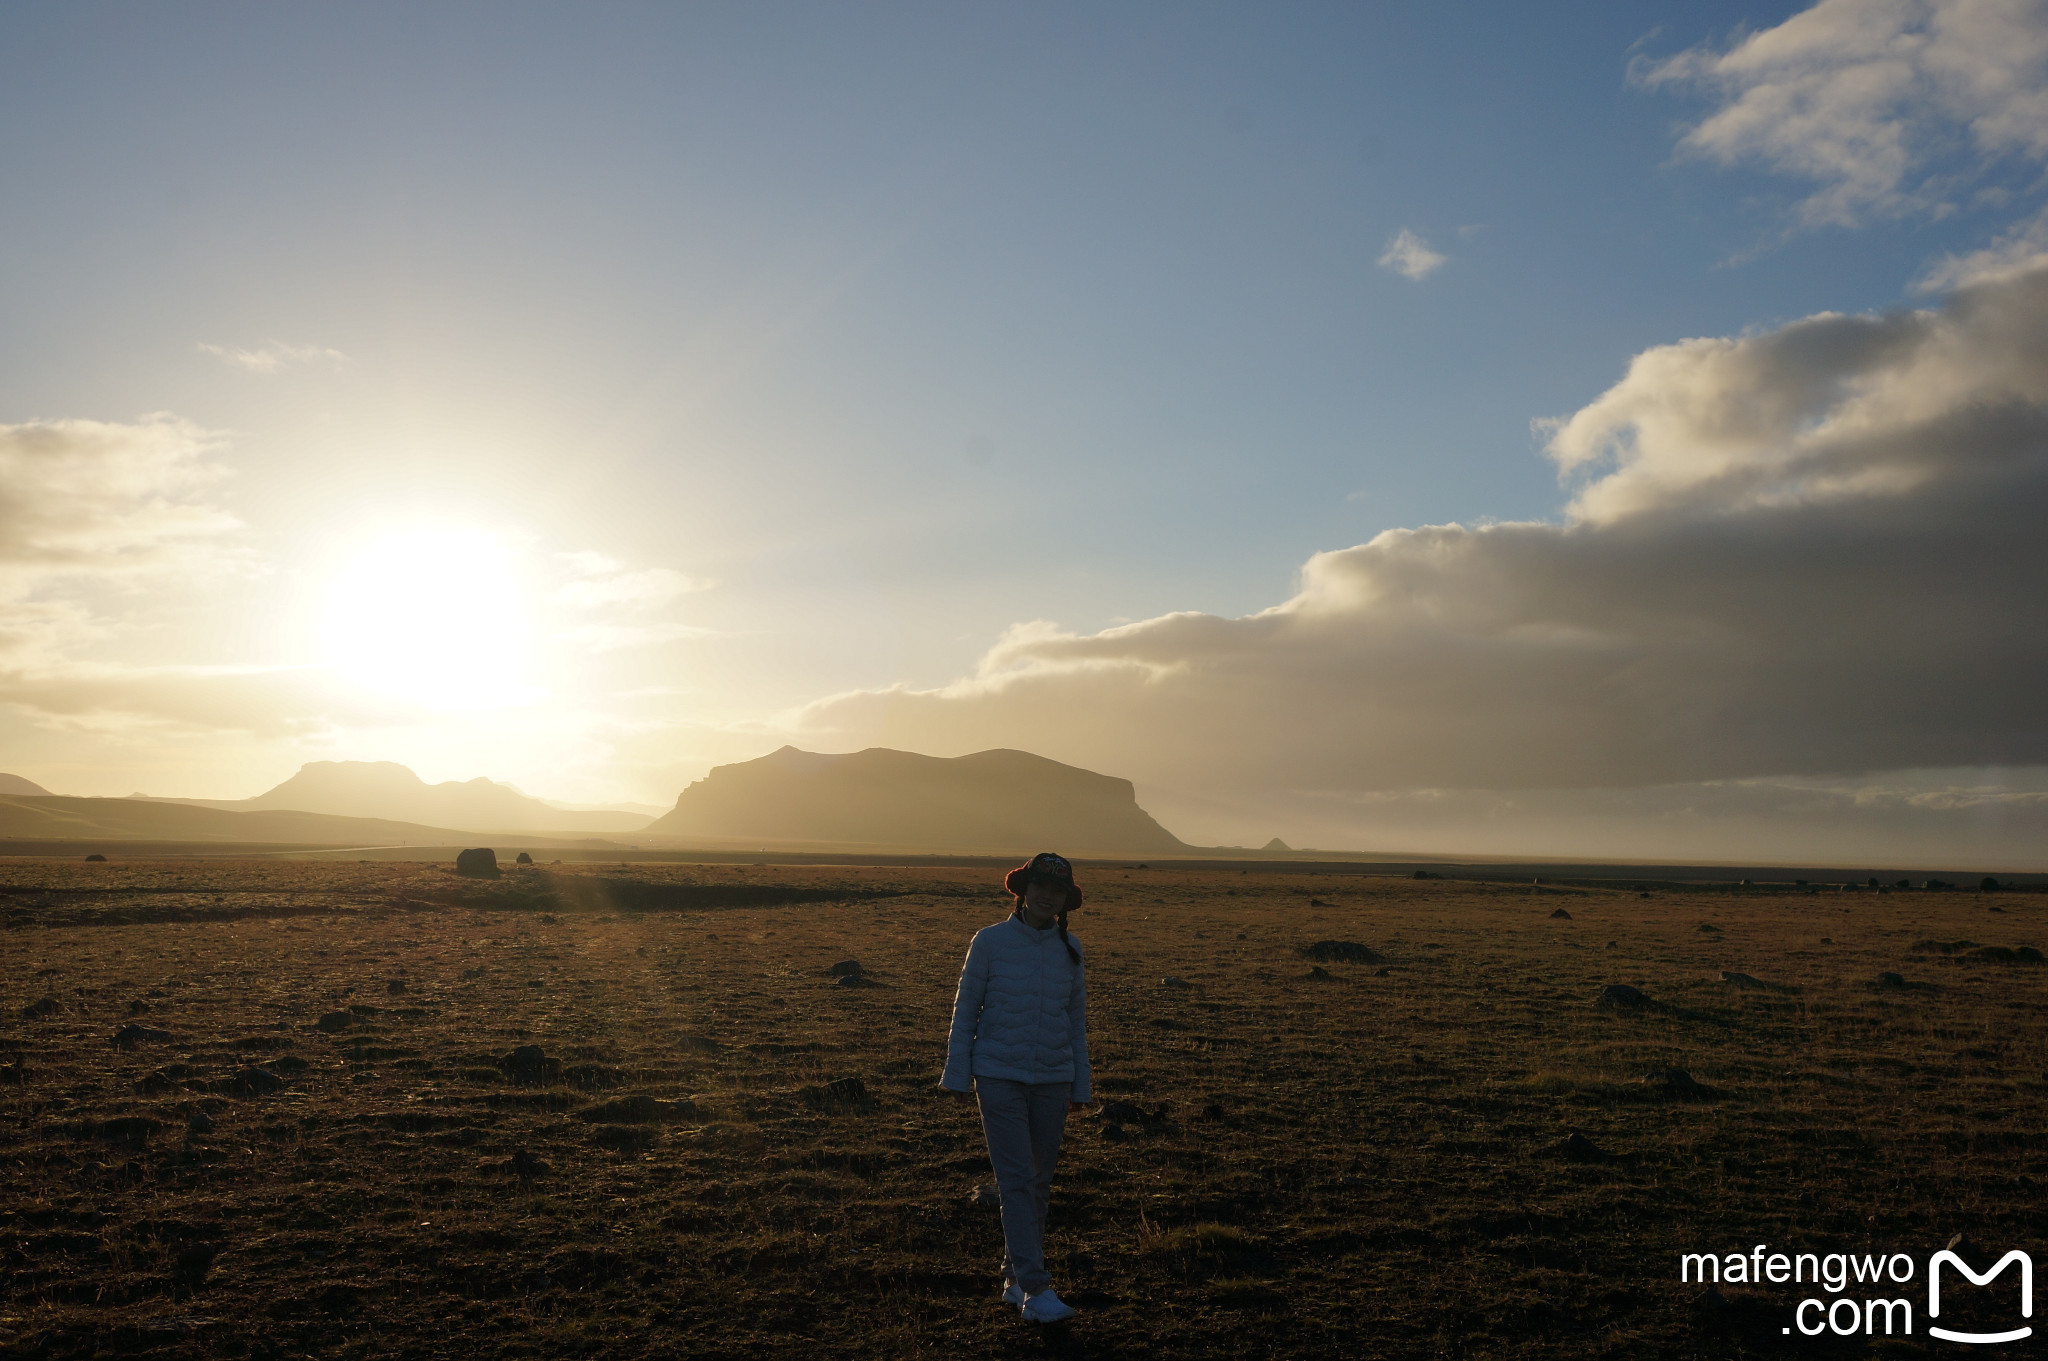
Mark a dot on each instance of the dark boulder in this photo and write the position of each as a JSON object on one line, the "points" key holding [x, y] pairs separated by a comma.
{"points": [[128, 1036], [1343, 951], [480, 862], [841, 1094], [530, 1066], [1560, 915], [846, 968], [522, 859], [1623, 996]]}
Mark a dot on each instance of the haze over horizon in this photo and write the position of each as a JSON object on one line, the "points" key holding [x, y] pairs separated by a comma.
{"points": [[1449, 429]]}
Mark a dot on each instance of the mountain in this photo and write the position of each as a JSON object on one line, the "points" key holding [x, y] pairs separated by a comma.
{"points": [[52, 818], [1007, 802], [14, 784], [385, 789]]}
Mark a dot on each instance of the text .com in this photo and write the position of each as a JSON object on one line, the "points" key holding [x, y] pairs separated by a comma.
{"points": [[1878, 1307]]}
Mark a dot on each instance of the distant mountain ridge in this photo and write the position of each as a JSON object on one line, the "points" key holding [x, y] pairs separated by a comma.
{"points": [[15, 784], [1000, 801], [388, 790]]}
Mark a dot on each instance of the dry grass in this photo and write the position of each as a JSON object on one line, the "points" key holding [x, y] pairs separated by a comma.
{"points": [[1368, 1163]]}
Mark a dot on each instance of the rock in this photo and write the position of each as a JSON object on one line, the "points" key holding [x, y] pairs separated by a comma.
{"points": [[334, 1021], [525, 1166], [1320, 975], [1580, 1149], [1711, 1300], [1176, 983], [130, 1035], [1888, 979], [1383, 973], [522, 859], [41, 1008], [1345, 951], [1560, 915], [1673, 1082], [846, 968], [530, 1066], [841, 1094], [396, 985], [1709, 928], [1740, 980], [1114, 1133], [986, 1197], [192, 1264], [254, 1082], [1961, 1246], [1622, 995], [640, 1110], [854, 980], [138, 1007], [479, 862], [1119, 1112], [200, 1123], [96, 858]]}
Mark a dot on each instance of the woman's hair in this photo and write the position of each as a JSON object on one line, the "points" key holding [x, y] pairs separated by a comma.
{"points": [[1046, 867]]}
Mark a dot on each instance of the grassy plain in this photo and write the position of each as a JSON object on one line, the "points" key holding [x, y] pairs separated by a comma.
{"points": [[1369, 1161]]}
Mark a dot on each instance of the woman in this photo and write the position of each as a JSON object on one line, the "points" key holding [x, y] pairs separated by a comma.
{"points": [[1020, 1032]]}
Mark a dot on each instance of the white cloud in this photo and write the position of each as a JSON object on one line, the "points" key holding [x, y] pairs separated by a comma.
{"points": [[614, 637], [2019, 250], [273, 356], [1814, 550], [646, 588], [1410, 256], [1886, 106], [99, 503]]}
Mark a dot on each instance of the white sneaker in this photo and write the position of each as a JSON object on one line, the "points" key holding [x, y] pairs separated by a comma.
{"points": [[1013, 1295], [1046, 1307]]}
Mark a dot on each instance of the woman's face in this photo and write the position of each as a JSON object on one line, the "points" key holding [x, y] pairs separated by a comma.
{"points": [[1043, 900]]}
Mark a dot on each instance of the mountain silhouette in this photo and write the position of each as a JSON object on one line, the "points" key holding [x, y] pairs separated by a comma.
{"points": [[385, 789], [14, 784], [1007, 802]]}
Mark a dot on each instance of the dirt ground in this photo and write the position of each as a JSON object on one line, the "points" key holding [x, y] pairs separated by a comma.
{"points": [[377, 1110]]}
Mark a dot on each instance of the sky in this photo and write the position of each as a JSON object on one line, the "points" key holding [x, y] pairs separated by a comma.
{"points": [[1617, 429]]}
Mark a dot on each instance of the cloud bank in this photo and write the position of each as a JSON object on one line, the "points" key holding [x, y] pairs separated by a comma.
{"points": [[1812, 551], [1888, 107]]}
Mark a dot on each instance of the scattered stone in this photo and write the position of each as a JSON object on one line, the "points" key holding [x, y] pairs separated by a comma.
{"points": [[130, 1035], [137, 1007], [334, 1021], [480, 862], [1320, 975], [1383, 973], [854, 980], [640, 1110], [95, 858], [1622, 995], [396, 985], [1560, 915], [1213, 1111], [254, 1082], [1580, 1149], [1709, 928], [525, 1166], [1961, 1246], [1673, 1082], [1317, 902], [522, 859], [14, 1074], [200, 1123], [41, 1008], [192, 1264], [1711, 1300], [1114, 1133], [846, 968], [1176, 983], [1888, 979], [1346, 951], [986, 1197], [530, 1066], [841, 1094], [1740, 980]]}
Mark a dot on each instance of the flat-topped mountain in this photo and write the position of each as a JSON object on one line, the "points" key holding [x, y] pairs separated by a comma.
{"points": [[1007, 802], [385, 789]]}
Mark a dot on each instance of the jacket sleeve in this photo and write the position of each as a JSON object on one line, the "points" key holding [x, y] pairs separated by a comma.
{"points": [[1077, 1033], [966, 1017]]}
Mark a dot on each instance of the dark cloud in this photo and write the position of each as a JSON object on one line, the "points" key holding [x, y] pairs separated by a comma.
{"points": [[1815, 550]]}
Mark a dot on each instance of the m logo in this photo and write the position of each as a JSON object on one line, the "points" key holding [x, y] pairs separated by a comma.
{"points": [[2026, 1294]]}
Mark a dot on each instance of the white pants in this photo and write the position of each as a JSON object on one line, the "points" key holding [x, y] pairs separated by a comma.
{"points": [[1023, 1122]]}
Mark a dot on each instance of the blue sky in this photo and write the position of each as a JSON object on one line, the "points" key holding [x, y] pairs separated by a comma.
{"points": [[881, 329]]}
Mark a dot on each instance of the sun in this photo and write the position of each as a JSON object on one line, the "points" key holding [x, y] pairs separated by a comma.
{"points": [[434, 617]]}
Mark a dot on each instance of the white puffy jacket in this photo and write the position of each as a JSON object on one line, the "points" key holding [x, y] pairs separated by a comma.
{"points": [[1021, 1012]]}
